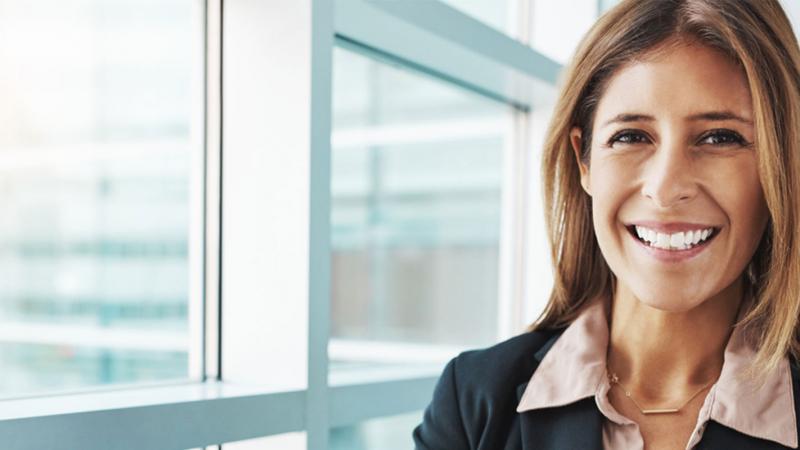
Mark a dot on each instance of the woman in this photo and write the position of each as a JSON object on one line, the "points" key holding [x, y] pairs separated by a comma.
{"points": [[671, 170]]}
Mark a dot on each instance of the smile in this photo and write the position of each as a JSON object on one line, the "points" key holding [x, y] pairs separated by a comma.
{"points": [[673, 246]]}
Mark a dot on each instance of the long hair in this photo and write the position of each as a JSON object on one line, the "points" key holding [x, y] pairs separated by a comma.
{"points": [[755, 34]]}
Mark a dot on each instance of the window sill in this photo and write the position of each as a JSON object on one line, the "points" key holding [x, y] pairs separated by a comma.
{"points": [[178, 416]]}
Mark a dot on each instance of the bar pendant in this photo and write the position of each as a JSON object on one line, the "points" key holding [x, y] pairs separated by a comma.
{"points": [[660, 411]]}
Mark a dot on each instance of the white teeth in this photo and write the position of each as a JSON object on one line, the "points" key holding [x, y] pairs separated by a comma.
{"points": [[675, 241]]}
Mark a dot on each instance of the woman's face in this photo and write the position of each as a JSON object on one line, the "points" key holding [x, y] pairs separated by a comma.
{"points": [[677, 203]]}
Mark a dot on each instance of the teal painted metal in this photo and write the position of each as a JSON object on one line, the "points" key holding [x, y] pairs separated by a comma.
{"points": [[319, 258], [351, 404], [465, 52], [172, 417]]}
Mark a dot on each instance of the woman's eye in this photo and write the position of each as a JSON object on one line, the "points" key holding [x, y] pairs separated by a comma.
{"points": [[628, 137], [722, 138], [719, 138]]}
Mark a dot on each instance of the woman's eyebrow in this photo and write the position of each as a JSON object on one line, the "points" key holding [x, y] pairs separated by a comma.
{"points": [[719, 115], [707, 116], [629, 117]]}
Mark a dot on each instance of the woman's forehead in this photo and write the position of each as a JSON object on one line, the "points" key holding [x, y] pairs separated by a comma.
{"points": [[682, 81]]}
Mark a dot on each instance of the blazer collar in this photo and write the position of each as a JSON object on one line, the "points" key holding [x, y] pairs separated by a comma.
{"points": [[577, 425]]}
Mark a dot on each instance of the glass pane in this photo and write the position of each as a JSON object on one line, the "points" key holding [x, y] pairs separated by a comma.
{"points": [[498, 14], [416, 185], [386, 433], [98, 141]]}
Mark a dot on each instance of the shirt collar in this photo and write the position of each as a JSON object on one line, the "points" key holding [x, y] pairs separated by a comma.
{"points": [[576, 365]]}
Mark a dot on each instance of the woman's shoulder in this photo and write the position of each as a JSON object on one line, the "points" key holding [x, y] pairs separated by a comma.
{"points": [[478, 389], [503, 365], [516, 349]]}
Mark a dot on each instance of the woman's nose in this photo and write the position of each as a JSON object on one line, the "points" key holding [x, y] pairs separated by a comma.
{"points": [[668, 176]]}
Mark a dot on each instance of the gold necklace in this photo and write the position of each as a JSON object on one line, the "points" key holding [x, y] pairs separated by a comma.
{"points": [[614, 379]]}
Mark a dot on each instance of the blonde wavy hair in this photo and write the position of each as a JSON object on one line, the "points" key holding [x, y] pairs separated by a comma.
{"points": [[758, 36]]}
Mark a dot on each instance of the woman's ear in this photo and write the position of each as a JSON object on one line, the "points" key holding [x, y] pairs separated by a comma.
{"points": [[576, 141]]}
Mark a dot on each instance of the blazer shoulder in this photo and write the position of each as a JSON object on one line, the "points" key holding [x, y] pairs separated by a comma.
{"points": [[505, 364], [478, 388]]}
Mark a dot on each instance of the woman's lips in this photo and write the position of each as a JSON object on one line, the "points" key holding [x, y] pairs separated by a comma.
{"points": [[672, 256]]}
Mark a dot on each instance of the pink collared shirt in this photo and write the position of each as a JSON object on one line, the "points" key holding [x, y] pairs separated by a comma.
{"points": [[575, 368]]}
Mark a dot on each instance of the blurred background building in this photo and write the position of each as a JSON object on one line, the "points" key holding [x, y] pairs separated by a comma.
{"points": [[100, 125]]}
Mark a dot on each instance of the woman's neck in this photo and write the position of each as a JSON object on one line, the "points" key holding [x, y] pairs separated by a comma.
{"points": [[665, 356]]}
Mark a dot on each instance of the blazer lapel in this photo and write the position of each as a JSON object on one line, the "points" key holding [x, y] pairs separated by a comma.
{"points": [[578, 425]]}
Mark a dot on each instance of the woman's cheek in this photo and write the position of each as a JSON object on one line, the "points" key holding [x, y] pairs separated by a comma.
{"points": [[611, 183]]}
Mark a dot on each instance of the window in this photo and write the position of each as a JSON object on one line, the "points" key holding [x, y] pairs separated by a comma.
{"points": [[417, 169], [100, 159]]}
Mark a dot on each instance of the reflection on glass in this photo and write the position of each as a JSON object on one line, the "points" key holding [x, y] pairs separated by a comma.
{"points": [[386, 433], [416, 184], [96, 147]]}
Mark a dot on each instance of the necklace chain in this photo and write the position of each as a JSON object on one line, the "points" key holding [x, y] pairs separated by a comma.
{"points": [[614, 379]]}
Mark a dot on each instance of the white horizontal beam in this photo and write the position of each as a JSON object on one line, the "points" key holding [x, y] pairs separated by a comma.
{"points": [[170, 417], [192, 415], [432, 131], [465, 51], [351, 404], [389, 352]]}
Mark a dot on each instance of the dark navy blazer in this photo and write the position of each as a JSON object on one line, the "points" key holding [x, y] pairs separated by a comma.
{"points": [[475, 401]]}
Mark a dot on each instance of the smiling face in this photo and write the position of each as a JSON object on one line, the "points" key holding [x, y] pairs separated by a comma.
{"points": [[677, 204]]}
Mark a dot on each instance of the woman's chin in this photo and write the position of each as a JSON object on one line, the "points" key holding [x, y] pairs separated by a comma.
{"points": [[671, 304]]}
